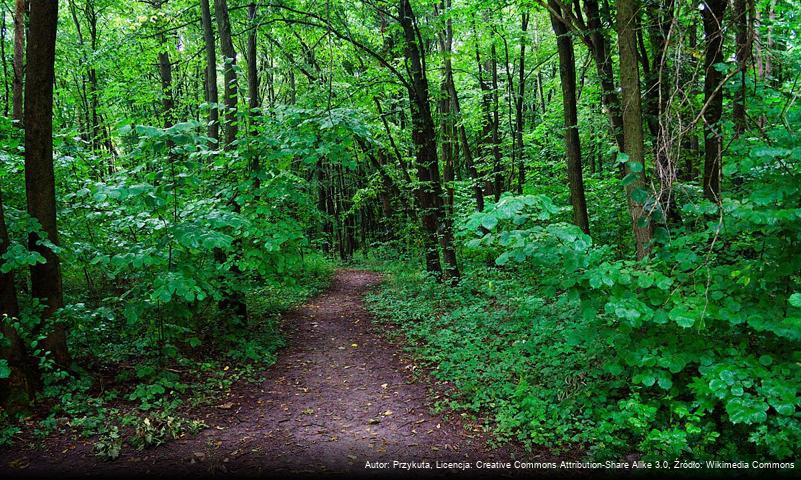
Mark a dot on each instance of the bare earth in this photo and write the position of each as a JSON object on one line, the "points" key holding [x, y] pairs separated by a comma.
{"points": [[340, 395]]}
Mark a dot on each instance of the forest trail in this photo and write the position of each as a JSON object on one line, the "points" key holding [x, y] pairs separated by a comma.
{"points": [[338, 396]]}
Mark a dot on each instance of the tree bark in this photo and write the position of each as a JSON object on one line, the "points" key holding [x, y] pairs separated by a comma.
{"points": [[567, 75], [602, 58], [229, 72], [521, 91], [212, 98], [660, 16], [429, 192], [743, 56], [20, 10], [40, 184], [713, 136], [632, 122], [254, 102]]}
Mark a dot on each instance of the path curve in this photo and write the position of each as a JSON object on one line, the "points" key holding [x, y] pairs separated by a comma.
{"points": [[339, 395]]}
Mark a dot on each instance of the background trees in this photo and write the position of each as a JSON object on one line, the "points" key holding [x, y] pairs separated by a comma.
{"points": [[445, 133]]}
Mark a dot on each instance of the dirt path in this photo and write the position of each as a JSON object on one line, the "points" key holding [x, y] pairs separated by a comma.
{"points": [[338, 397]]}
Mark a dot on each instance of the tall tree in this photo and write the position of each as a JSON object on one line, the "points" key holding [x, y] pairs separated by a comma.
{"points": [[567, 75], [17, 390], [429, 191], [632, 123], [743, 54], [712, 13], [254, 101], [602, 57], [20, 10], [212, 98], [40, 184], [229, 71], [521, 92], [165, 74]]}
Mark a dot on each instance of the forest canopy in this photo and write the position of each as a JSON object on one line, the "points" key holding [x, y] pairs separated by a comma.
{"points": [[588, 213]]}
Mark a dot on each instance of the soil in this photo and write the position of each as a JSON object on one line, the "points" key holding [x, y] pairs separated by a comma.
{"points": [[340, 395]]}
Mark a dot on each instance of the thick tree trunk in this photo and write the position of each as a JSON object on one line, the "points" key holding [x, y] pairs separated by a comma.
{"points": [[743, 55], [40, 184], [19, 58], [229, 72], [567, 75], [632, 122], [713, 136], [429, 191], [212, 98]]}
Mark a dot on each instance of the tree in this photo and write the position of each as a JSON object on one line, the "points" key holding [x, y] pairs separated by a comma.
{"points": [[567, 75], [712, 13], [744, 36], [229, 72], [20, 9], [429, 193], [210, 83], [521, 92], [39, 178], [632, 124], [17, 390]]}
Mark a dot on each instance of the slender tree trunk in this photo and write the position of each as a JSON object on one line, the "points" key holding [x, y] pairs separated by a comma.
{"points": [[449, 92], [254, 102], [19, 57], [659, 87], [212, 97], [602, 57], [521, 91], [567, 75], [713, 136], [40, 184], [229, 72], [5, 67], [17, 390], [692, 134], [632, 122]]}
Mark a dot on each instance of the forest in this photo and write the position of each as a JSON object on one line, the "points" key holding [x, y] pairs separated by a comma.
{"points": [[248, 235]]}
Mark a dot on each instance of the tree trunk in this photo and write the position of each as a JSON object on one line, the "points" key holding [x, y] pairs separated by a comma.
{"points": [[521, 91], [17, 390], [429, 191], [450, 93], [688, 71], [743, 55], [212, 97], [713, 136], [39, 178], [632, 123], [602, 56], [567, 75], [253, 73], [6, 97], [229, 72], [19, 58], [254, 102], [659, 87]]}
